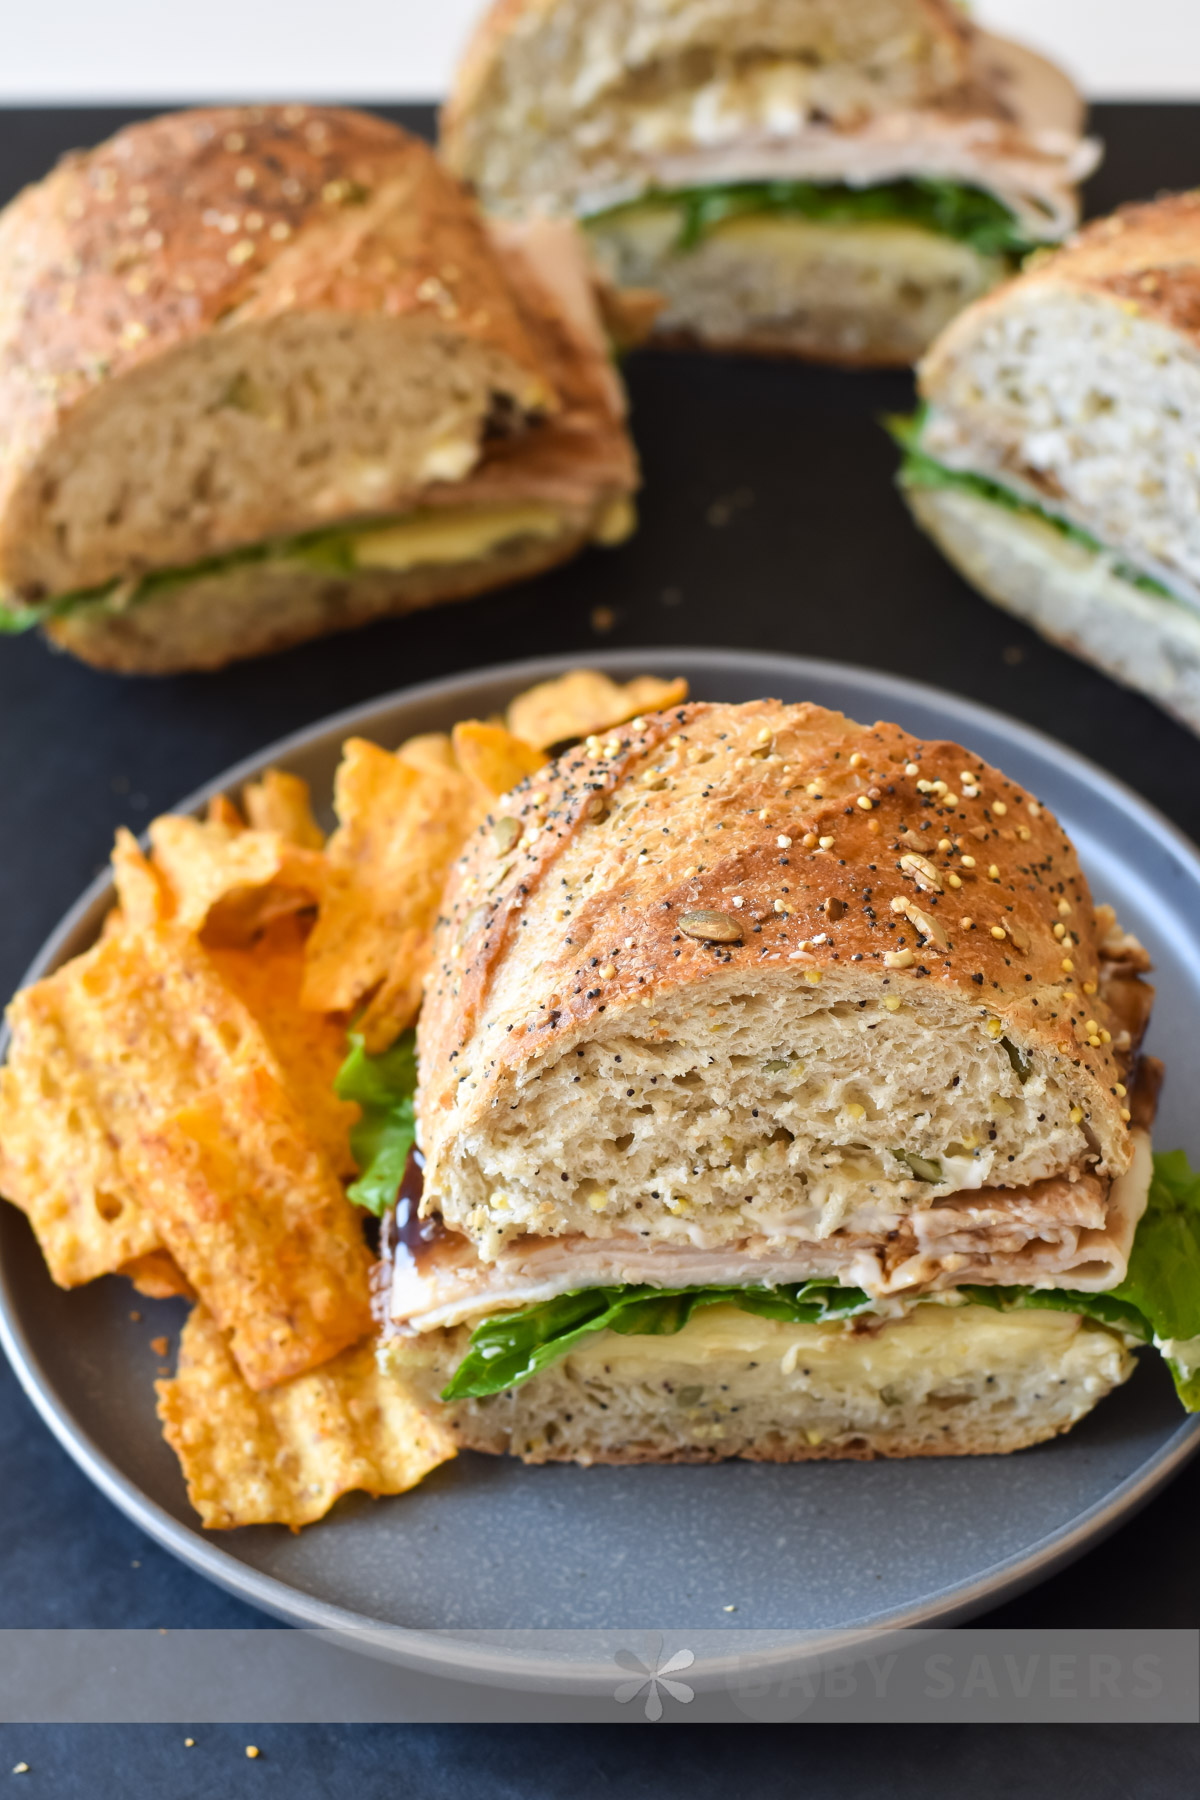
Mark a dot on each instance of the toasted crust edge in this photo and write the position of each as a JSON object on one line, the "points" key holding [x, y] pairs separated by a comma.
{"points": [[783, 1448]]}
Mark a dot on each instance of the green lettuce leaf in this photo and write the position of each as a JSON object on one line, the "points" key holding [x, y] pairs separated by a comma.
{"points": [[1164, 1270], [513, 1346], [965, 213], [920, 470], [1158, 1302], [385, 1087], [15, 619], [331, 549]]}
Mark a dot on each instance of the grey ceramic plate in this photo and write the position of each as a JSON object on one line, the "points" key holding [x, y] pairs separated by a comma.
{"points": [[490, 1546]]}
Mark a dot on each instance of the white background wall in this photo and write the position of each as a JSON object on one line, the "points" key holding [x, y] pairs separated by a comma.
{"points": [[168, 50]]}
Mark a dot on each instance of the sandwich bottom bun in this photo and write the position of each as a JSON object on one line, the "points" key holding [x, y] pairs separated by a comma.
{"points": [[862, 295], [252, 609], [1069, 593], [935, 1381]]}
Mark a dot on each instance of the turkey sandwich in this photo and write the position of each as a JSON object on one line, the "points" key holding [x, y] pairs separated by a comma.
{"points": [[826, 178], [780, 1096], [1055, 460], [265, 374]]}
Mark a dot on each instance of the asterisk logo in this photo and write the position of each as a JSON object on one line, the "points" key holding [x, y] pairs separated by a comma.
{"points": [[650, 1677]]}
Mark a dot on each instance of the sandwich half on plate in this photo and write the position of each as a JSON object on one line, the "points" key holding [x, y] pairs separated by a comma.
{"points": [[1055, 461], [824, 178], [780, 1096], [265, 373]]}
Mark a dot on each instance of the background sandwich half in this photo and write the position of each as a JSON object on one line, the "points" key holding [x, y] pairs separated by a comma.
{"points": [[780, 1097], [829, 178], [264, 373], [1055, 462]]}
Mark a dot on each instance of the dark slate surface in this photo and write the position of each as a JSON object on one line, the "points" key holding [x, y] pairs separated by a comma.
{"points": [[769, 521]]}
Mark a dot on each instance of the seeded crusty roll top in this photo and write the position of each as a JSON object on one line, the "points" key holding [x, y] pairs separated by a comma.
{"points": [[535, 69], [131, 274], [717, 885], [1078, 383]]}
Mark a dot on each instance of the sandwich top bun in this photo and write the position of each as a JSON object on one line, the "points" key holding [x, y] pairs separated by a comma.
{"points": [[690, 969], [1078, 386], [536, 70], [232, 324]]}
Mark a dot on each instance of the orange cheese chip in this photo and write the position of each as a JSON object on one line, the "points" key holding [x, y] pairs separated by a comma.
{"points": [[281, 802], [227, 882], [222, 811], [493, 758], [309, 1047], [431, 750], [400, 829], [284, 1457], [254, 1215], [394, 1005], [59, 1161], [157, 1276], [128, 1031], [142, 894], [574, 705]]}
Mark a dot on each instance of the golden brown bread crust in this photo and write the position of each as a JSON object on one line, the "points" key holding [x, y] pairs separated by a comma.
{"points": [[480, 63], [1144, 259], [188, 222], [745, 796]]}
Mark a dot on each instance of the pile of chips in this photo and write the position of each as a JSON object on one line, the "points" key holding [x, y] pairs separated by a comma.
{"points": [[168, 1113]]}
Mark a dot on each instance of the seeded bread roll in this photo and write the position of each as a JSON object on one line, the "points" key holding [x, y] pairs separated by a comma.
{"points": [[225, 335], [1071, 398], [536, 70], [1039, 381], [762, 971]]}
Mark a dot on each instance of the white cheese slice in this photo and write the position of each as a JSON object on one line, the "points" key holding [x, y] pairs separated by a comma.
{"points": [[454, 535], [934, 1343]]}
